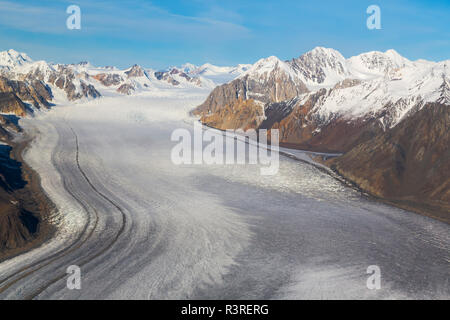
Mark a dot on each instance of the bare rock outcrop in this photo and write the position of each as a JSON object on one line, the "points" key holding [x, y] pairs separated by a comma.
{"points": [[409, 163], [10, 103], [34, 92], [108, 79], [126, 88], [408, 160], [88, 90], [65, 79], [173, 74], [241, 114], [135, 71]]}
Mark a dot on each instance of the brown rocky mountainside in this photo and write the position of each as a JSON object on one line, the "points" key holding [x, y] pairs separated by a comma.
{"points": [[8, 124], [108, 79], [299, 124], [294, 118], [275, 88], [409, 164], [10, 103], [241, 103], [245, 114], [126, 88], [64, 79], [34, 92], [23, 207], [302, 129], [135, 71]]}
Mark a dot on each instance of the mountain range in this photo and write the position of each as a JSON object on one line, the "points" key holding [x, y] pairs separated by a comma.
{"points": [[84, 81], [27, 86], [387, 115]]}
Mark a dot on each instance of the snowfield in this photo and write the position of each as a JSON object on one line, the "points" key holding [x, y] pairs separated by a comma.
{"points": [[141, 227]]}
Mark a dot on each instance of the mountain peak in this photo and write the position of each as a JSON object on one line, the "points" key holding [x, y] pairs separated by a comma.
{"points": [[324, 51], [378, 62], [12, 52], [396, 57], [12, 58], [269, 62], [267, 65], [15, 53], [392, 52], [321, 66], [135, 71], [188, 67]]}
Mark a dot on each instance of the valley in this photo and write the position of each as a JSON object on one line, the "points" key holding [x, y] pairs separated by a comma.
{"points": [[140, 226]]}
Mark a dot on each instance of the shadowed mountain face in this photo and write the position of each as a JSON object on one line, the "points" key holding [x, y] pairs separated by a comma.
{"points": [[300, 127], [26, 86], [410, 162], [18, 225], [10, 171], [17, 228]]}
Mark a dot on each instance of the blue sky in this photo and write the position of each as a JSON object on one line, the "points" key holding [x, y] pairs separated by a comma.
{"points": [[162, 33]]}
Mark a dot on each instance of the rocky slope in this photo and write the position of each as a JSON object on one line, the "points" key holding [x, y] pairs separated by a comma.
{"points": [[20, 97], [409, 164], [14, 232], [175, 76], [108, 79], [269, 80], [24, 208], [11, 104]]}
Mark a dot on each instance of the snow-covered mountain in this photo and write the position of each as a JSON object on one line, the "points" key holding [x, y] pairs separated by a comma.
{"points": [[381, 84], [383, 81], [206, 75], [389, 116], [73, 82], [268, 80], [393, 111], [219, 75], [13, 59], [320, 67], [64, 82]]}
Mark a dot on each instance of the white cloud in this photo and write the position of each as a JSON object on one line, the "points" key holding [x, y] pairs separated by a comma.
{"points": [[138, 20]]}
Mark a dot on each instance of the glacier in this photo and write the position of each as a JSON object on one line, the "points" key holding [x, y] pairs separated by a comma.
{"points": [[141, 227]]}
